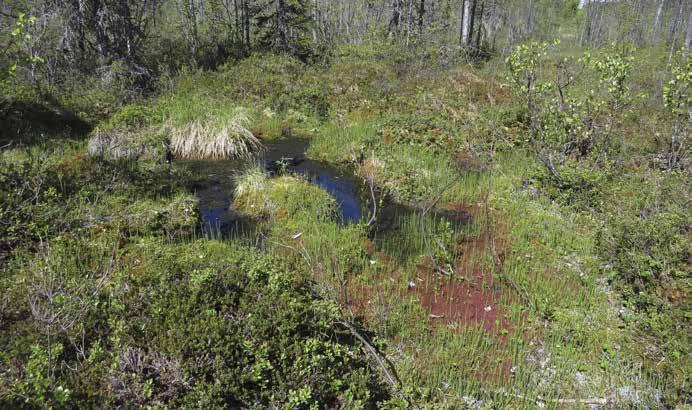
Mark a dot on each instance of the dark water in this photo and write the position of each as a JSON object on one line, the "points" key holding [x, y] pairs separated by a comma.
{"points": [[341, 186], [215, 192]]}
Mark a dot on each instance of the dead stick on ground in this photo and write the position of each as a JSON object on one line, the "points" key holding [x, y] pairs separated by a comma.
{"points": [[391, 379]]}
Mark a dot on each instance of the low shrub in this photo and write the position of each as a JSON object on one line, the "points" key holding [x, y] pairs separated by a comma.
{"points": [[126, 145], [192, 325]]}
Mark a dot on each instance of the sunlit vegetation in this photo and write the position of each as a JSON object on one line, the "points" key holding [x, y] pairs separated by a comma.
{"points": [[395, 204]]}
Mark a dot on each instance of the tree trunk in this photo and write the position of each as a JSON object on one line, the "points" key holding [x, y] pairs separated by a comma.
{"points": [[421, 14], [480, 27], [462, 23], [246, 25], [688, 38], [394, 21], [676, 21], [472, 21], [530, 18], [101, 37], [657, 22], [465, 26], [493, 25], [315, 22], [237, 33], [78, 5], [593, 23]]}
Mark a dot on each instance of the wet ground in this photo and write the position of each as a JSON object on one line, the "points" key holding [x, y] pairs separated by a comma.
{"points": [[471, 297], [215, 192]]}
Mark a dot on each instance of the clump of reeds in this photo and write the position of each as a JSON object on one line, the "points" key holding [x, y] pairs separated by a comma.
{"points": [[222, 136]]}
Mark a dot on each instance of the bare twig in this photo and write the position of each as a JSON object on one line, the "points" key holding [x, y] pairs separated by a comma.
{"points": [[370, 178], [373, 216]]}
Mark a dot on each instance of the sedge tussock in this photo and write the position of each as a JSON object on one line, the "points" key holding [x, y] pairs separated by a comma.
{"points": [[215, 139]]}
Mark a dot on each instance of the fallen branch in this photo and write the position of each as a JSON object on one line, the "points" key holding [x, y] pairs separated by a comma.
{"points": [[393, 380]]}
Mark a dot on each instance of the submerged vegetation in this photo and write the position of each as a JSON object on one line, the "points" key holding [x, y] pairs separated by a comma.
{"points": [[388, 214]]}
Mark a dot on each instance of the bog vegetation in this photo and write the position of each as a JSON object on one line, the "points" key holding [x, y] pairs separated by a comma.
{"points": [[345, 204]]}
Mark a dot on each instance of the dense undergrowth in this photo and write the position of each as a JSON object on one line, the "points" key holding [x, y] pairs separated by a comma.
{"points": [[565, 286]]}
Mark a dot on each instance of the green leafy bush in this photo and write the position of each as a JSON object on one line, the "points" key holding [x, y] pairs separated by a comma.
{"points": [[194, 325]]}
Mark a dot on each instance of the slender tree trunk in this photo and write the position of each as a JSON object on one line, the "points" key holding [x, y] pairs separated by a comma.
{"points": [[676, 21], [80, 24], [237, 33], [409, 21], [282, 26], [480, 27], [421, 15], [491, 33], [246, 24], [637, 30], [315, 22], [586, 25], [395, 20], [101, 37], [688, 37], [657, 22], [472, 21], [593, 25], [462, 23], [530, 18]]}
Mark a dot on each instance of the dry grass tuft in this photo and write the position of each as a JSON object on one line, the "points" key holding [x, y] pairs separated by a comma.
{"points": [[218, 138]]}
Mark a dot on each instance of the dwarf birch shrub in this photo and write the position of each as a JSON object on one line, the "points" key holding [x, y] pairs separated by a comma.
{"points": [[677, 102]]}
